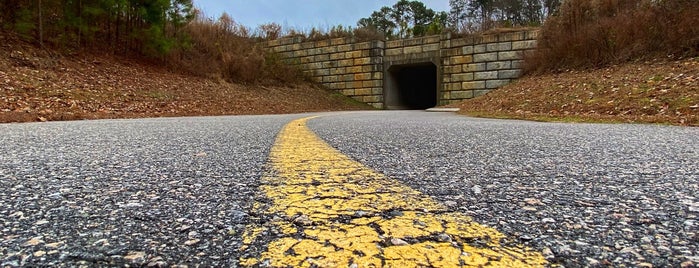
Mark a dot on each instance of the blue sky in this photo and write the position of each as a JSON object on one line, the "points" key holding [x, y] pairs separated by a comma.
{"points": [[301, 14]]}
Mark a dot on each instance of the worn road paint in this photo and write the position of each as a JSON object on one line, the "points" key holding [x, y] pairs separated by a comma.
{"points": [[325, 210]]}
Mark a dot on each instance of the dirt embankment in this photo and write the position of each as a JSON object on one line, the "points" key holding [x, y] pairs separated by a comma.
{"points": [[661, 91], [40, 85]]}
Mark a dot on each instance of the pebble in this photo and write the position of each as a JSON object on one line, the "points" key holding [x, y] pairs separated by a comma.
{"points": [[191, 242], [398, 242], [137, 257], [450, 203]]}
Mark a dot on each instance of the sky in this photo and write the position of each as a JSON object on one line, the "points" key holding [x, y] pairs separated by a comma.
{"points": [[301, 14]]}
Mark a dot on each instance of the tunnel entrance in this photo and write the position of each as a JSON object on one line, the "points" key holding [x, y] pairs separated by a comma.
{"points": [[411, 86]]}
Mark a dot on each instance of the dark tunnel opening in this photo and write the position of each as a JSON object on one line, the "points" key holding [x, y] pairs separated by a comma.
{"points": [[412, 86]]}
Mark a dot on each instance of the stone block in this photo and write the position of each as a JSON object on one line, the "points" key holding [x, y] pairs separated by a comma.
{"points": [[287, 40], [362, 76], [353, 54], [485, 75], [372, 98], [324, 57], [300, 53], [354, 69], [335, 85], [460, 42], [308, 45], [452, 69], [451, 52], [378, 44], [463, 94], [344, 48], [377, 91], [509, 74], [503, 46], [308, 59], [394, 51], [467, 50], [532, 34], [509, 55], [474, 67], [377, 75], [498, 65], [496, 83], [490, 38], [347, 78], [445, 95], [432, 39], [430, 47], [372, 83], [362, 46], [362, 91], [480, 92], [445, 44], [461, 59], [526, 44], [462, 77], [338, 71], [348, 92], [321, 72], [323, 43], [493, 56], [328, 50], [473, 85], [412, 50], [372, 68], [315, 65], [394, 43], [330, 79], [481, 48], [337, 56], [329, 64], [345, 63], [513, 36]]}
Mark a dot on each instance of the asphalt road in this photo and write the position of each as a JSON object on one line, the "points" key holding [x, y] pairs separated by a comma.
{"points": [[159, 192]]}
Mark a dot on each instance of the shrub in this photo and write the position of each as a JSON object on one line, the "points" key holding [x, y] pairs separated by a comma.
{"points": [[225, 49], [594, 33]]}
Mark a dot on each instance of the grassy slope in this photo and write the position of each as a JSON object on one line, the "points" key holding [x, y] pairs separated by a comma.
{"points": [[665, 92], [36, 85]]}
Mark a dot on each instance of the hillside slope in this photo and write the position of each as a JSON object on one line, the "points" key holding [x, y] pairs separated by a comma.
{"points": [[40, 85], [658, 91]]}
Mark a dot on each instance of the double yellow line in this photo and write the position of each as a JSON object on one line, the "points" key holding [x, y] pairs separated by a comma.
{"points": [[331, 211]]}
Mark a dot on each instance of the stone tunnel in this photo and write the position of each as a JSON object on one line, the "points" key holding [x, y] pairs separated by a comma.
{"points": [[417, 73]]}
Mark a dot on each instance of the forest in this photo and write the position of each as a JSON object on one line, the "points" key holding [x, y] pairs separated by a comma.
{"points": [[574, 33]]}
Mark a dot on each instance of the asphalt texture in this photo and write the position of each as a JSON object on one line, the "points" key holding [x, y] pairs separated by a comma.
{"points": [[586, 195], [180, 191], [152, 192]]}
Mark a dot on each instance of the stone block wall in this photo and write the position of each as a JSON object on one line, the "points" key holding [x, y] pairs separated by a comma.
{"points": [[352, 68], [476, 65], [466, 67]]}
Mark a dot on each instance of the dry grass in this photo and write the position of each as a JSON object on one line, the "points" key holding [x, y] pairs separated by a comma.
{"points": [[39, 85], [664, 92], [226, 50], [595, 33]]}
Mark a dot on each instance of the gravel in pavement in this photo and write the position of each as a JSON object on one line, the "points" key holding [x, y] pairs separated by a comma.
{"points": [[586, 195], [154, 192]]}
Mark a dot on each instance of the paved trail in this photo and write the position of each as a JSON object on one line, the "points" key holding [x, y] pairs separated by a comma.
{"points": [[388, 188]]}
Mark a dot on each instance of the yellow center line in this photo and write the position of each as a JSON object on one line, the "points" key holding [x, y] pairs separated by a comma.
{"points": [[327, 210]]}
